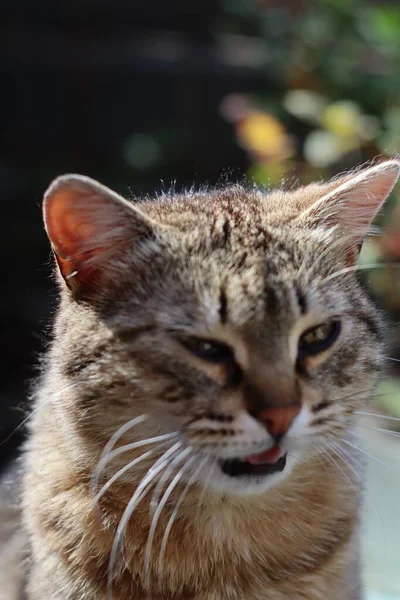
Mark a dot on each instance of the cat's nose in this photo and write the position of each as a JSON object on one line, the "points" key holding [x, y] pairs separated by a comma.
{"points": [[277, 420]]}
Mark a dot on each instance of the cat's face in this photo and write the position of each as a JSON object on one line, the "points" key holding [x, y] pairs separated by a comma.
{"points": [[231, 319]]}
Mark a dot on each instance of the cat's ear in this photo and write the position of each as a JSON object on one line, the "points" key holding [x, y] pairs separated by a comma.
{"points": [[90, 229], [352, 202]]}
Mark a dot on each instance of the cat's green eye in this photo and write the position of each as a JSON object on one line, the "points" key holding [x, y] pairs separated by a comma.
{"points": [[319, 338], [209, 350]]}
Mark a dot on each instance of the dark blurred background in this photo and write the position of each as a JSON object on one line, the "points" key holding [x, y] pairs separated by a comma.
{"points": [[142, 95]]}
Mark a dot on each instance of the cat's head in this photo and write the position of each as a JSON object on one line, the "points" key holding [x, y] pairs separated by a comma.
{"points": [[233, 319]]}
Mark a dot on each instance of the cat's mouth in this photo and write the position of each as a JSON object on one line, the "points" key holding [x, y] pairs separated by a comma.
{"points": [[265, 463]]}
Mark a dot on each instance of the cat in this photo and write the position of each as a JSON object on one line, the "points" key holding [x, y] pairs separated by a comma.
{"points": [[193, 425]]}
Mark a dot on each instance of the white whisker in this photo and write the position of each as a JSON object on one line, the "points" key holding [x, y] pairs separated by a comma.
{"points": [[110, 445], [359, 268], [347, 459], [380, 429], [334, 450], [137, 497], [352, 395], [124, 469], [371, 414], [122, 449], [364, 451], [174, 514], [164, 478], [368, 495], [391, 358], [39, 405], [316, 261], [160, 507]]}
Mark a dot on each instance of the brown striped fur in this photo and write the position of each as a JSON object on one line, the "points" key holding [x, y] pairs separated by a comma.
{"points": [[252, 270]]}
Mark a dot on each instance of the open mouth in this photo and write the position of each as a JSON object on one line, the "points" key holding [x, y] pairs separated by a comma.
{"points": [[265, 463]]}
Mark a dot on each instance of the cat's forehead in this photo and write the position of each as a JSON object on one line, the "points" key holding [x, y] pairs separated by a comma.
{"points": [[245, 279], [244, 206], [227, 248], [246, 224]]}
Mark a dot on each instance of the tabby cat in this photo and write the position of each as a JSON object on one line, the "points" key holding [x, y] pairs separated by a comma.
{"points": [[193, 426]]}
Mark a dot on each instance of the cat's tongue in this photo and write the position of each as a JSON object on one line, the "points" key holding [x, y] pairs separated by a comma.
{"points": [[268, 457]]}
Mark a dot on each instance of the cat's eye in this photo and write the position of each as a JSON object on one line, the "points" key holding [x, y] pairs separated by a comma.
{"points": [[209, 350], [319, 338]]}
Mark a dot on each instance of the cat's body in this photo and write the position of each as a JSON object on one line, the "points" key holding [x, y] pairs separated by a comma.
{"points": [[219, 328]]}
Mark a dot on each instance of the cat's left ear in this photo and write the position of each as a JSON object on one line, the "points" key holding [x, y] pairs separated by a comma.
{"points": [[354, 201]]}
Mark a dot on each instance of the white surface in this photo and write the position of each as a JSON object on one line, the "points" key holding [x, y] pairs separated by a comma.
{"points": [[381, 524]]}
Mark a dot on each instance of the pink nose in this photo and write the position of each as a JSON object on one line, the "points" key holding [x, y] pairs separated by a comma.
{"points": [[278, 420]]}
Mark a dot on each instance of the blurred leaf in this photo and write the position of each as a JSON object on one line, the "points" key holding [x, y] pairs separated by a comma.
{"points": [[342, 118], [264, 135], [305, 105], [322, 148], [386, 23]]}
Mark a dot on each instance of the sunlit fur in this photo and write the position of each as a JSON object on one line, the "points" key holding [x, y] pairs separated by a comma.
{"points": [[250, 269]]}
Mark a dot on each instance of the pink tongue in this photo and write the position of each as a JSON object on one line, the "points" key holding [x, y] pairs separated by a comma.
{"points": [[268, 457]]}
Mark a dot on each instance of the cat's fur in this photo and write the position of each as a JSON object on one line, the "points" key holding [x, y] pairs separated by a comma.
{"points": [[252, 270]]}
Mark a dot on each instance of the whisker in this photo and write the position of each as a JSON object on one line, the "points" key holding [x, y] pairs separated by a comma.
{"points": [[133, 446], [294, 456], [174, 514], [123, 470], [371, 414], [391, 358], [359, 268], [316, 261], [140, 443], [361, 393], [39, 405], [345, 455], [370, 498], [348, 460], [160, 507], [352, 395], [364, 451], [380, 429], [20, 425], [139, 494], [111, 443], [164, 478], [337, 465]]}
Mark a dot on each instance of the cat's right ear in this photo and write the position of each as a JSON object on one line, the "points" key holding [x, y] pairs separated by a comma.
{"points": [[91, 229]]}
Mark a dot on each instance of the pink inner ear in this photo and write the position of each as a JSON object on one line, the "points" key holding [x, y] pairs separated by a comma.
{"points": [[361, 201], [86, 227], [354, 202], [69, 226]]}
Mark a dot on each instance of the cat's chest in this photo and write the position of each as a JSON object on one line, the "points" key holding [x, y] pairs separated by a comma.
{"points": [[225, 561]]}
